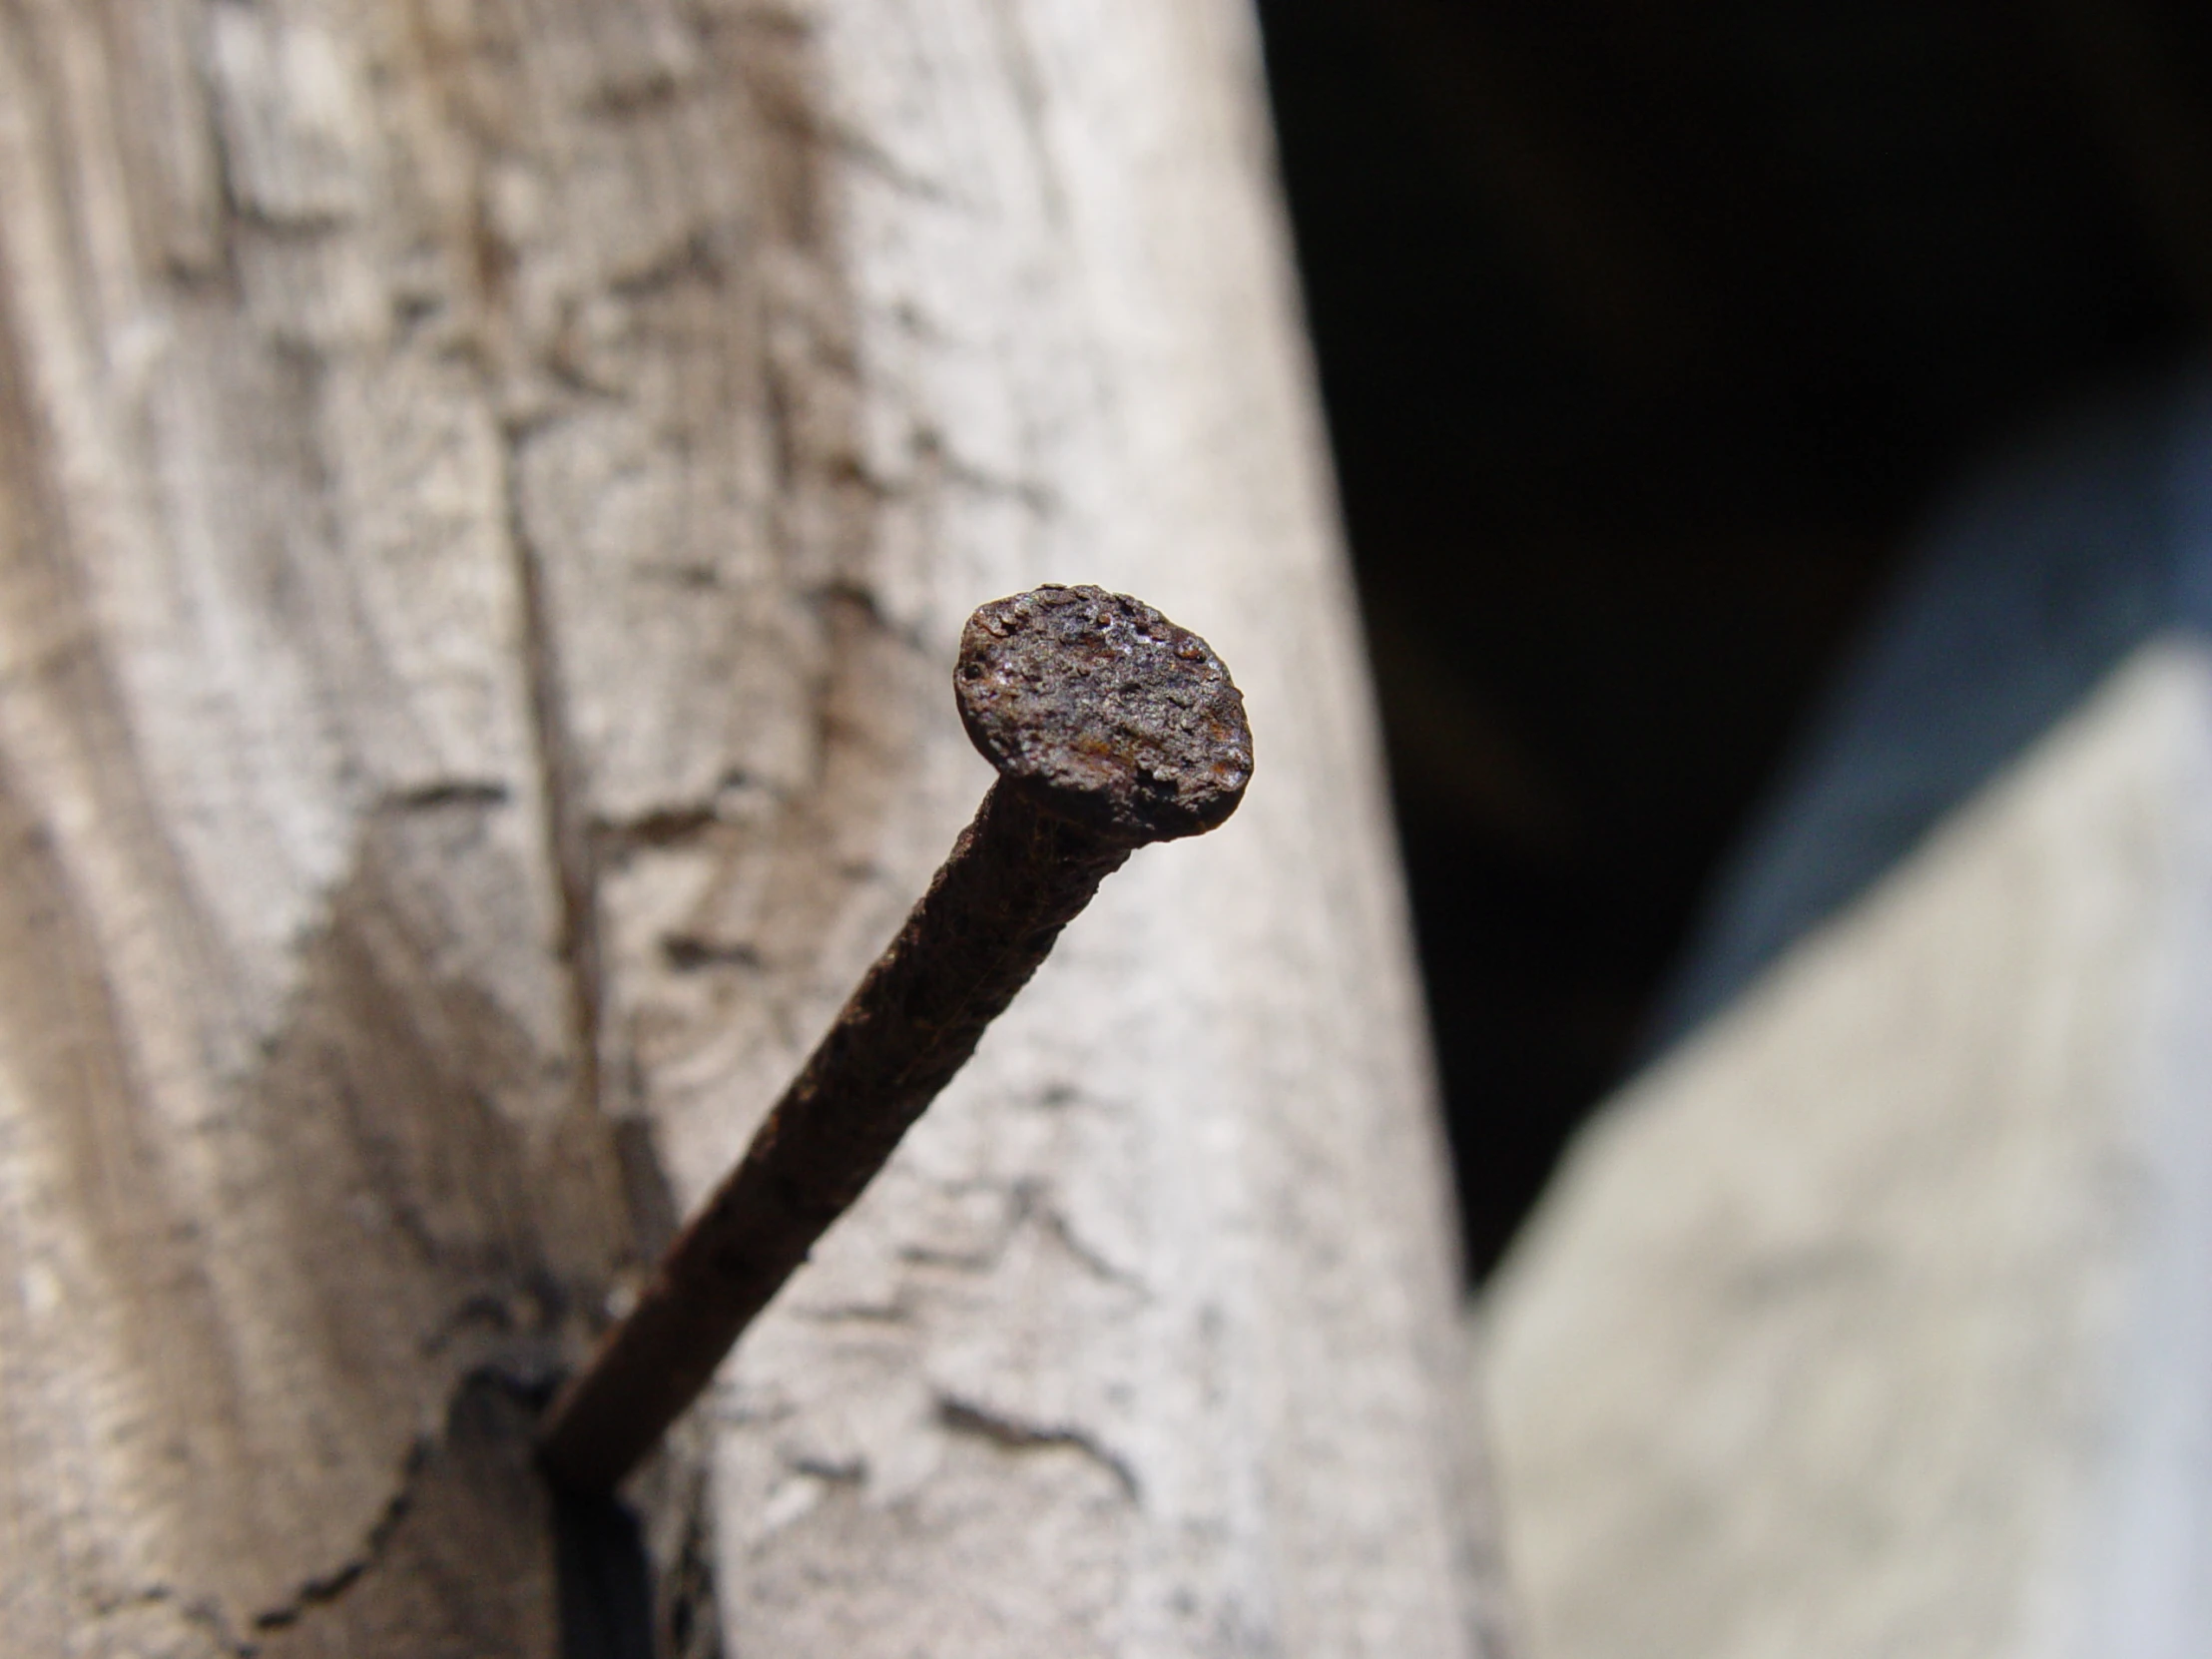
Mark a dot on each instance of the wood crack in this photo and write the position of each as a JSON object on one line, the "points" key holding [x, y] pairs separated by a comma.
{"points": [[569, 838], [325, 1588], [964, 1417]]}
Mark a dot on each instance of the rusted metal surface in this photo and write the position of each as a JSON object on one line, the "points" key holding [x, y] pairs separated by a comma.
{"points": [[1110, 727], [1106, 710]]}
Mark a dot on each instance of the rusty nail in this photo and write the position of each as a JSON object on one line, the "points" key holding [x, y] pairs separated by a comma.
{"points": [[1110, 727]]}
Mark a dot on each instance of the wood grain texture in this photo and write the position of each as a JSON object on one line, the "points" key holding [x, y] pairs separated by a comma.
{"points": [[1875, 1320], [488, 492]]}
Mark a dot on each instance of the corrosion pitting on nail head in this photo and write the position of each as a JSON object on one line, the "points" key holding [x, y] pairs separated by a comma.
{"points": [[1106, 712]]}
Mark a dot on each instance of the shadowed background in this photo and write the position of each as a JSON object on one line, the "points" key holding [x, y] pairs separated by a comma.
{"points": [[1647, 334]]}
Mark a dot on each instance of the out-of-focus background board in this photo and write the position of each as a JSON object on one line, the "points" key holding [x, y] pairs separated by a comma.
{"points": [[1874, 1318]]}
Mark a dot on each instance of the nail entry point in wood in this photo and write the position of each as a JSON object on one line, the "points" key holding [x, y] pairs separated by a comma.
{"points": [[1110, 727]]}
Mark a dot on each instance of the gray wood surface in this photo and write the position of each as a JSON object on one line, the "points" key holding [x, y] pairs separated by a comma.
{"points": [[1875, 1320], [488, 490]]}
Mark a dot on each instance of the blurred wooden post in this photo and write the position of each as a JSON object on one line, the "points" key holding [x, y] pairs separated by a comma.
{"points": [[1876, 1319], [488, 490]]}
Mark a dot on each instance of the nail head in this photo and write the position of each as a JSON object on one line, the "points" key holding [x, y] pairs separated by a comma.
{"points": [[1105, 712]]}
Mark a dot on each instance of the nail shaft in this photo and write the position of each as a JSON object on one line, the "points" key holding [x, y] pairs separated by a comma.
{"points": [[1111, 727]]}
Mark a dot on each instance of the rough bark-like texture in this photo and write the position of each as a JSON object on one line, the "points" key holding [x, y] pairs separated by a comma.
{"points": [[1877, 1321], [488, 494]]}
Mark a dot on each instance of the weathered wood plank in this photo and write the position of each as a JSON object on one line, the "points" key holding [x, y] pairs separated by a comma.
{"points": [[487, 492]]}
